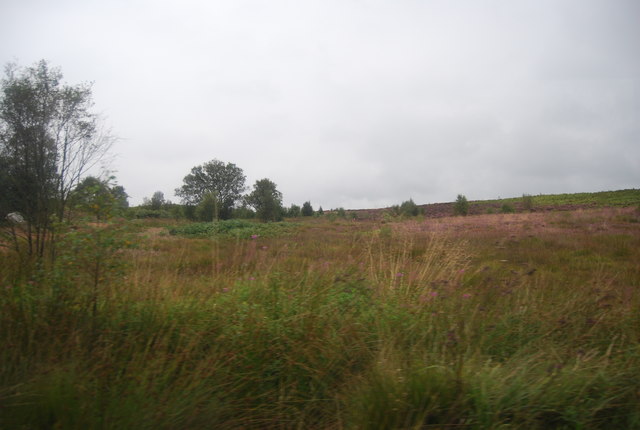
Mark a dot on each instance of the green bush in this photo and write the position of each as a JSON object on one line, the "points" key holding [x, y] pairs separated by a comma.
{"points": [[234, 228], [461, 206], [294, 211], [527, 202], [409, 208], [507, 208]]}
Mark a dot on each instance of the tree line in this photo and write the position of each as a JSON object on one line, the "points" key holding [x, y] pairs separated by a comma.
{"points": [[50, 139], [214, 190]]}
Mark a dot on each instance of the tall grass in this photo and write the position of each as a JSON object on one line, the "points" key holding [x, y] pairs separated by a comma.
{"points": [[510, 321]]}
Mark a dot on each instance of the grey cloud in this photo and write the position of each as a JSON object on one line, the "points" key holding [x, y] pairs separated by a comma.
{"points": [[351, 104]]}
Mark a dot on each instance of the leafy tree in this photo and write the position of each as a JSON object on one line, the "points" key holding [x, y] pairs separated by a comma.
{"points": [[244, 212], [320, 211], [121, 197], [157, 200], [49, 139], [409, 208], [267, 200], [223, 182], [9, 198], [94, 197], [294, 211], [99, 198], [307, 209], [461, 206]]}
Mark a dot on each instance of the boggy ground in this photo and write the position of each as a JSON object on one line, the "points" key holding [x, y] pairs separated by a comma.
{"points": [[490, 321]]}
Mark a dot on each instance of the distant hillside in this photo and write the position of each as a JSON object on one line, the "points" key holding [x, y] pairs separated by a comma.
{"points": [[548, 202]]}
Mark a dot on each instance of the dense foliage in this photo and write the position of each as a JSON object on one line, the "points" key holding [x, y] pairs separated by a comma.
{"points": [[266, 200], [233, 228], [307, 209], [49, 139], [223, 184], [99, 198], [461, 205]]}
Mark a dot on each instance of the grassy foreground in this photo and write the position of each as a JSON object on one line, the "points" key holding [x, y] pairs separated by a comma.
{"points": [[484, 322]]}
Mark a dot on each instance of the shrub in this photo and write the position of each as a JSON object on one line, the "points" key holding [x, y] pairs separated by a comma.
{"points": [[233, 228], [461, 206], [409, 208], [507, 209]]}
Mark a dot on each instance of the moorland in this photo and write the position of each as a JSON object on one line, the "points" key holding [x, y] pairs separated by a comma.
{"points": [[523, 319]]}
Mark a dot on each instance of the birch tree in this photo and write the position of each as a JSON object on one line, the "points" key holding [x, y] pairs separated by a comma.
{"points": [[49, 139]]}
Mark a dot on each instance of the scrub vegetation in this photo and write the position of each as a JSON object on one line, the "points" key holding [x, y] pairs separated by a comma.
{"points": [[520, 320]]}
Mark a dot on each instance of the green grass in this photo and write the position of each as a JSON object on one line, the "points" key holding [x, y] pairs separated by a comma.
{"points": [[621, 198], [488, 322]]}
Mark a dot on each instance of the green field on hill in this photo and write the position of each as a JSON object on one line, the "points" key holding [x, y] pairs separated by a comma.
{"points": [[629, 197]]}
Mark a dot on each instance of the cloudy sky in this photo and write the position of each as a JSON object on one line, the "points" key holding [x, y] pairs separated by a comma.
{"points": [[354, 103]]}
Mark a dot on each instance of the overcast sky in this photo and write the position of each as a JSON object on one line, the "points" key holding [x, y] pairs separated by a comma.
{"points": [[354, 103]]}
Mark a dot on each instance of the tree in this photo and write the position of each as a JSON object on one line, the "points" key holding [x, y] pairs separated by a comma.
{"points": [[307, 209], [121, 197], [409, 208], [266, 200], [461, 206], [244, 212], [99, 198], [293, 211], [224, 182], [49, 139], [157, 200]]}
